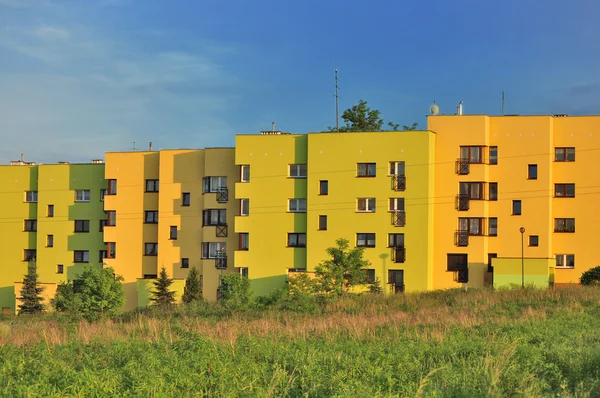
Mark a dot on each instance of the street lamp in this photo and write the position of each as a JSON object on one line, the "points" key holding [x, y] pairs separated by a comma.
{"points": [[522, 257]]}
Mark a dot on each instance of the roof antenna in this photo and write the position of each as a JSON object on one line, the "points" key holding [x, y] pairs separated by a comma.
{"points": [[337, 97], [502, 102], [133, 146]]}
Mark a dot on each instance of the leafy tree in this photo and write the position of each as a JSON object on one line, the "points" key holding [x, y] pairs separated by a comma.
{"points": [[344, 270], [31, 299], [412, 127], [235, 291], [162, 295], [591, 277], [192, 290], [362, 118]]}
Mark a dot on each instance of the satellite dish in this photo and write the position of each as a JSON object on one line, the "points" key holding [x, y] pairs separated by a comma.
{"points": [[434, 109]]}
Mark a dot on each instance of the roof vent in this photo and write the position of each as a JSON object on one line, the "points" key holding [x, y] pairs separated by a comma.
{"points": [[97, 161], [21, 163], [63, 162], [271, 132], [561, 115]]}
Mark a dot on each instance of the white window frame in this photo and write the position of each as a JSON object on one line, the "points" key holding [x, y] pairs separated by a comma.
{"points": [[397, 168], [297, 205], [246, 211], [244, 241], [153, 252], [297, 170], [564, 258], [31, 196], [397, 204], [366, 205], [299, 241], [214, 184], [213, 249], [82, 195], [85, 256], [245, 173], [103, 193]]}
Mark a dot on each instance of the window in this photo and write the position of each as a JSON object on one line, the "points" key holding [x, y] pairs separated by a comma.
{"points": [[185, 263], [214, 184], [60, 269], [493, 155], [534, 240], [472, 190], [245, 173], [366, 170], [564, 225], [244, 207], [50, 212], [397, 169], [491, 256], [185, 199], [395, 240], [564, 190], [493, 226], [471, 154], [370, 275], [565, 261], [296, 240], [365, 205], [150, 249], [473, 225], [102, 225], [365, 240], [323, 187], [112, 187], [81, 256], [298, 170], [103, 192], [322, 223], [111, 249], [29, 255], [173, 232], [50, 241], [82, 225], [297, 205], [244, 272], [211, 249], [396, 204], [111, 218], [31, 196], [564, 154], [493, 187], [82, 195], [102, 254], [151, 217], [214, 217], [244, 241], [457, 262], [30, 226], [532, 172], [516, 207], [151, 185]]}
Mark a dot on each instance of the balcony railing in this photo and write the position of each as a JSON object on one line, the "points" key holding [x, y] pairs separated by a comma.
{"points": [[221, 231], [461, 275], [221, 261], [399, 254], [463, 166], [222, 195], [398, 218], [399, 183], [397, 288], [462, 202], [461, 238]]}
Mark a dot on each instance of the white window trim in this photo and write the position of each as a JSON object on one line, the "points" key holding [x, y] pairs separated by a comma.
{"points": [[370, 205], [564, 256], [34, 195], [295, 170], [396, 166], [297, 207], [396, 209], [83, 191], [242, 168], [242, 207], [218, 246]]}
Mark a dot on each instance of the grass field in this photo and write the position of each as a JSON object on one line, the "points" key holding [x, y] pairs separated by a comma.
{"points": [[478, 343]]}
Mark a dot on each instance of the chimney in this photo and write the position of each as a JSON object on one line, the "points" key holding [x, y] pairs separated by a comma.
{"points": [[150, 146], [272, 126], [22, 158]]}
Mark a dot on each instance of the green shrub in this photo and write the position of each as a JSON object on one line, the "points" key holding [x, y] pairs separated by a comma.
{"points": [[591, 277], [235, 292], [192, 291]]}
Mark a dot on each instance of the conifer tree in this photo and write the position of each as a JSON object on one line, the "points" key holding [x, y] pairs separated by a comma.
{"points": [[192, 290], [162, 295], [31, 299]]}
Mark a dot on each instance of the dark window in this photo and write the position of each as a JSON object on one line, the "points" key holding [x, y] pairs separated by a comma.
{"points": [[370, 275], [214, 217], [185, 263], [564, 154], [82, 195], [471, 154], [516, 207], [213, 249], [323, 187], [493, 155], [151, 249], [296, 240], [173, 232], [244, 207], [103, 192], [397, 169], [111, 218], [31, 196], [102, 254], [245, 173], [185, 199], [244, 272], [151, 217], [532, 171], [322, 223], [457, 262], [50, 241], [298, 170], [396, 204], [111, 251], [102, 225], [472, 190], [365, 205], [493, 226], [214, 184], [366, 170], [365, 240], [297, 205], [490, 257], [60, 269], [30, 226], [151, 185], [244, 241], [82, 225], [473, 225], [534, 240], [395, 240], [564, 225], [29, 254], [112, 187], [493, 186], [564, 190], [81, 256], [50, 210], [565, 261]]}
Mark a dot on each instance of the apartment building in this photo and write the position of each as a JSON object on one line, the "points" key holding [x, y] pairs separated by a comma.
{"points": [[51, 213]]}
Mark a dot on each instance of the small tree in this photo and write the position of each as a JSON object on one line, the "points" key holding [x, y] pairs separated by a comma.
{"points": [[362, 118], [591, 277], [192, 290], [375, 287], [235, 291], [343, 271], [31, 299], [162, 295]]}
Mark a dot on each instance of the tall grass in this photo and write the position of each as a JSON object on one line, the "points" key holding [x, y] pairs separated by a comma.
{"points": [[452, 343]]}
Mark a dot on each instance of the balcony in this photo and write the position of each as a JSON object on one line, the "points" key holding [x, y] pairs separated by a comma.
{"points": [[461, 275], [398, 218], [463, 167], [461, 238], [221, 261], [222, 195], [462, 202], [397, 288], [399, 183], [221, 231], [399, 254]]}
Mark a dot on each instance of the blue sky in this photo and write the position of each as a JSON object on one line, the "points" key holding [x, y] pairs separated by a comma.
{"points": [[78, 78]]}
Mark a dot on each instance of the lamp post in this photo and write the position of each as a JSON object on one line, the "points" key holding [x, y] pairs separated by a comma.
{"points": [[522, 230]]}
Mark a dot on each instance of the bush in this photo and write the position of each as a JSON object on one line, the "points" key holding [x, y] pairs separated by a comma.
{"points": [[591, 277], [235, 292]]}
